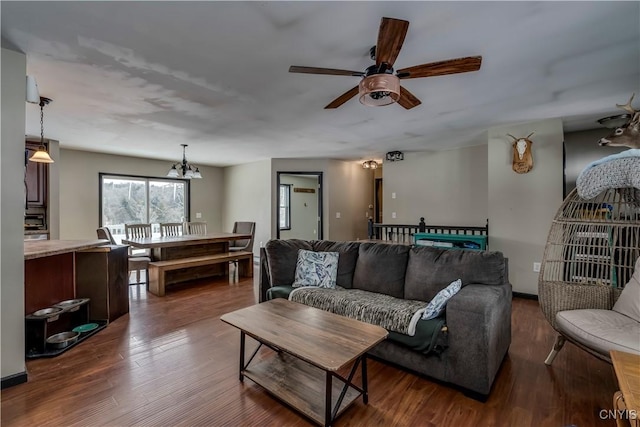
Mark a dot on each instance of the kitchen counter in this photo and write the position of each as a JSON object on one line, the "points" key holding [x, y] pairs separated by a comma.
{"points": [[44, 248]]}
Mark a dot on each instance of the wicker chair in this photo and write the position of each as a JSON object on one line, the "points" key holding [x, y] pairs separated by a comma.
{"points": [[589, 257]]}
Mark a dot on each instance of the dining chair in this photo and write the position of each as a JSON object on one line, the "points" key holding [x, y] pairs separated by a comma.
{"points": [[195, 227], [136, 263], [171, 229], [137, 231], [243, 227]]}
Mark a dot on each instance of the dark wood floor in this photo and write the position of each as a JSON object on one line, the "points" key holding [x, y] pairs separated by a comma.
{"points": [[171, 362]]}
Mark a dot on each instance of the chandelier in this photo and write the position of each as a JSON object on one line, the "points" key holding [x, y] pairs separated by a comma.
{"points": [[42, 156], [184, 169]]}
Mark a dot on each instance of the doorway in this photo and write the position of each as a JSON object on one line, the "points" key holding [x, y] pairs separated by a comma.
{"points": [[377, 201], [299, 212]]}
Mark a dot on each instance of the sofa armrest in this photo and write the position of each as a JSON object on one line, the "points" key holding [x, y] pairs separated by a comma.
{"points": [[265, 280], [479, 326]]}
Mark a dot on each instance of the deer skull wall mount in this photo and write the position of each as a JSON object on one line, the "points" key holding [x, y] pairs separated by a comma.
{"points": [[522, 157], [627, 135]]}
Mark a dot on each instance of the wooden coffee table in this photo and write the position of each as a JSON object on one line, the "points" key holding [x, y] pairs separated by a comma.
{"points": [[309, 345]]}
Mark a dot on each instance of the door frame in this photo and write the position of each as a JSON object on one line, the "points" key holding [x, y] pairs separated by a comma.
{"points": [[320, 197]]}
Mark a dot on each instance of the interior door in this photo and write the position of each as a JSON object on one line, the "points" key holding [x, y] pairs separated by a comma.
{"points": [[299, 212]]}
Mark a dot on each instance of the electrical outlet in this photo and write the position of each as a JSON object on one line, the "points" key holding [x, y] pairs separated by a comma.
{"points": [[198, 215], [536, 267], [393, 195], [393, 214], [337, 214]]}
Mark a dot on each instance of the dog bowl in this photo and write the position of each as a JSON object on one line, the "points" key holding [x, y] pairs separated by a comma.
{"points": [[87, 327], [63, 339], [48, 312], [70, 304]]}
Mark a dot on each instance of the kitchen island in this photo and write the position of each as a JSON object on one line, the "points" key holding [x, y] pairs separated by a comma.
{"points": [[49, 271], [71, 284]]}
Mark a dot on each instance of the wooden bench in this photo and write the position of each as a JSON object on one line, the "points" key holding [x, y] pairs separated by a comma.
{"points": [[158, 269]]}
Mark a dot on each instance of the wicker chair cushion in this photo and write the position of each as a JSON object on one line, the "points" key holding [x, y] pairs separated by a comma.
{"points": [[629, 301], [600, 330]]}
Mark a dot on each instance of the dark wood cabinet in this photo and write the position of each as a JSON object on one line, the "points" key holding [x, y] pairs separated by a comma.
{"points": [[36, 178], [102, 275]]}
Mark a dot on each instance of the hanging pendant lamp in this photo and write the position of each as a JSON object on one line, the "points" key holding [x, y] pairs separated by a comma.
{"points": [[42, 156]]}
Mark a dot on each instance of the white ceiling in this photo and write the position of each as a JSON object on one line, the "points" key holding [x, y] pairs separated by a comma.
{"points": [[140, 78]]}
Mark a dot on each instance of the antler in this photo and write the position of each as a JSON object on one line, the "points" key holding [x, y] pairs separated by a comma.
{"points": [[528, 136], [627, 107], [514, 138]]}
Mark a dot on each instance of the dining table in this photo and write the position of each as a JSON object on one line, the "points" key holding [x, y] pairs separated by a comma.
{"points": [[164, 248], [191, 246]]}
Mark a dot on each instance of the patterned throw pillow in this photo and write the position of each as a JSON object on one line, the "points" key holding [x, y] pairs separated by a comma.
{"points": [[316, 269], [437, 304]]}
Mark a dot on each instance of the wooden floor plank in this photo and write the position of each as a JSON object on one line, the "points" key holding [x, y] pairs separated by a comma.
{"points": [[172, 362]]}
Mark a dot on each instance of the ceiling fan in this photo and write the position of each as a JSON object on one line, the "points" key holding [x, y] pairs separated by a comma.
{"points": [[379, 85]]}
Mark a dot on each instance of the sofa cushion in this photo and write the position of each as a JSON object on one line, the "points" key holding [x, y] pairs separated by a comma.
{"points": [[381, 268], [282, 256], [346, 261], [629, 301], [316, 269], [600, 330], [429, 270]]}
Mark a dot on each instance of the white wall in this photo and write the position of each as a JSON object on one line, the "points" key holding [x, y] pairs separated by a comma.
{"points": [[247, 197], [350, 192], [522, 206], [79, 184], [14, 70], [444, 187], [304, 208]]}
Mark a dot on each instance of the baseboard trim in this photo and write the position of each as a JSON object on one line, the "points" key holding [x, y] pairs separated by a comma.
{"points": [[525, 296], [14, 379]]}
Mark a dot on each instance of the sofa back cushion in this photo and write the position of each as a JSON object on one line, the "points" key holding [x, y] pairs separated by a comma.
{"points": [[381, 268], [348, 255], [429, 270], [282, 256]]}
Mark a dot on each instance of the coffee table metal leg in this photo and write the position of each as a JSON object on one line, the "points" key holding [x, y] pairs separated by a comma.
{"points": [[242, 336], [327, 400], [365, 388]]}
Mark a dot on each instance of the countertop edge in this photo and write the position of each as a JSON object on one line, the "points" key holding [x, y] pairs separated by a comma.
{"points": [[43, 248]]}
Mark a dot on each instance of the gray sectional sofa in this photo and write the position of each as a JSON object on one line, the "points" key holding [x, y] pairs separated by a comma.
{"points": [[467, 353]]}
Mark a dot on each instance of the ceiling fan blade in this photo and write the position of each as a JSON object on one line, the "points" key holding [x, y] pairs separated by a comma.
{"points": [[329, 71], [441, 68], [407, 99], [390, 38], [343, 98]]}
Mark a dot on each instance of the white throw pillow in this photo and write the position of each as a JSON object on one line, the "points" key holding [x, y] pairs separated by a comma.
{"points": [[316, 269], [437, 304], [629, 301]]}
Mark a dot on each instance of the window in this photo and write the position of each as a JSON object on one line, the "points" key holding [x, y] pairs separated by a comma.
{"points": [[132, 199], [285, 207]]}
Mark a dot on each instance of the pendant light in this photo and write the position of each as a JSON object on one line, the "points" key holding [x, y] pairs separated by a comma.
{"points": [[42, 156]]}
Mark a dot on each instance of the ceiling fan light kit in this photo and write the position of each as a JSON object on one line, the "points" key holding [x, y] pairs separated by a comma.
{"points": [[379, 89], [379, 85]]}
